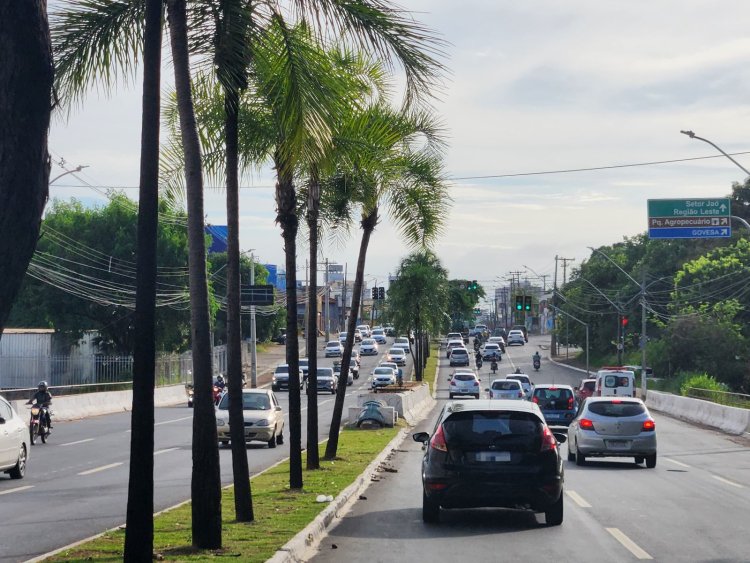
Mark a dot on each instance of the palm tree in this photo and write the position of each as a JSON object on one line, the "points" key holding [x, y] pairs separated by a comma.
{"points": [[408, 179]]}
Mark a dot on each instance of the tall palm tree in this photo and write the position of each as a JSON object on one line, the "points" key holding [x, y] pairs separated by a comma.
{"points": [[406, 178]]}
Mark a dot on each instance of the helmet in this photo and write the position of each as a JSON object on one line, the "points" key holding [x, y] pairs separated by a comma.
{"points": [[518, 370], [42, 386]]}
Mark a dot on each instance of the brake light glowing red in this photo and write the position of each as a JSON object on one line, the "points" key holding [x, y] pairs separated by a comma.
{"points": [[476, 384], [571, 403], [535, 400], [453, 382], [649, 425], [438, 440], [520, 394], [586, 424], [616, 401], [548, 440]]}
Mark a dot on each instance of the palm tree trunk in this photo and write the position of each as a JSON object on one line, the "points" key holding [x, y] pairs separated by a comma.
{"points": [[206, 477], [243, 500], [286, 204], [313, 453], [26, 71], [139, 528], [368, 226]]}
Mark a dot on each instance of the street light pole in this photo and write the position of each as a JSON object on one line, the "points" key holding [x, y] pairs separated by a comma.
{"points": [[714, 145], [253, 339]]}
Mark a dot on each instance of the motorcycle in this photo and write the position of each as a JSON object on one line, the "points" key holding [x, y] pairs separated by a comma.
{"points": [[537, 363], [493, 366], [479, 363], [38, 425]]}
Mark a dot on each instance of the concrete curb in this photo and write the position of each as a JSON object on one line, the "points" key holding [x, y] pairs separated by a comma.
{"points": [[581, 370], [731, 420]]}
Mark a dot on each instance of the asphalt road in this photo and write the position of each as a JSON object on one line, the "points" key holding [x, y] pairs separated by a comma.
{"points": [[76, 484], [692, 507]]}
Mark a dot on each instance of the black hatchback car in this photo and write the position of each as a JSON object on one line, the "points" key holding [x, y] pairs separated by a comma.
{"points": [[496, 453]]}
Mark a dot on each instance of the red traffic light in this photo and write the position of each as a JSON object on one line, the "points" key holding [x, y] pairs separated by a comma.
{"points": [[624, 322]]}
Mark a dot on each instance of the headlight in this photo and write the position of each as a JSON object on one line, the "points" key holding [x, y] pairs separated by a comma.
{"points": [[263, 422], [220, 422]]}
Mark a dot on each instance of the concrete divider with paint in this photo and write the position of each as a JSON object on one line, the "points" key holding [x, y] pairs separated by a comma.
{"points": [[73, 407], [729, 419], [409, 405]]}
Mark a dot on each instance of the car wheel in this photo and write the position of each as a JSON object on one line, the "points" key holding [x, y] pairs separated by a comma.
{"points": [[639, 460], [272, 441], [571, 455], [450, 395], [580, 458], [19, 470], [476, 396], [273, 388], [430, 510], [651, 461], [280, 437], [333, 391], [554, 514]]}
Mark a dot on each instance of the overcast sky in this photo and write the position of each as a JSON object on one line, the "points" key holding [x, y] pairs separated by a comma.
{"points": [[532, 86]]}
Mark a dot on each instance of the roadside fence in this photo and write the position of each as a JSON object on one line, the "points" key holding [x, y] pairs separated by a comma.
{"points": [[739, 400]]}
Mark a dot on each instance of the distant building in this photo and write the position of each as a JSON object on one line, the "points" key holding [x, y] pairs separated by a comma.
{"points": [[219, 236]]}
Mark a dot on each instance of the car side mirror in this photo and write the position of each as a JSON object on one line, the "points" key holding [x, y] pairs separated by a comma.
{"points": [[487, 390], [278, 408], [2, 420], [421, 437], [560, 437]]}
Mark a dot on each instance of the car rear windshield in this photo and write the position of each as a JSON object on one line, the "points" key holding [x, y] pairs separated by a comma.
{"points": [[282, 369], [491, 346], [612, 381], [549, 398], [459, 352], [324, 372], [521, 378], [589, 385], [616, 408], [506, 430], [464, 377], [505, 386], [250, 402]]}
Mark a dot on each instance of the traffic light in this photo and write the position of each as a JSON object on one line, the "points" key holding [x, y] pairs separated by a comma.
{"points": [[624, 322], [381, 293], [473, 286], [374, 293], [527, 303], [519, 302]]}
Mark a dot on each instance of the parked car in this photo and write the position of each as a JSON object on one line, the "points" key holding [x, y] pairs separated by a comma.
{"points": [[453, 344], [264, 418], [14, 441], [326, 380], [280, 379], [378, 334], [459, 357], [492, 454], [382, 377], [506, 389], [613, 427], [333, 349], [279, 338], [402, 342], [516, 337], [557, 403], [491, 352], [368, 347], [464, 383], [526, 384], [585, 389], [397, 356]]}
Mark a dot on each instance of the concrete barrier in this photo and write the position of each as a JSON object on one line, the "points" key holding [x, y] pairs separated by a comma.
{"points": [[409, 405], [729, 419], [74, 407]]}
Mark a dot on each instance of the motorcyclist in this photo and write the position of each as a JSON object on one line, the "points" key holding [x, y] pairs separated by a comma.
{"points": [[220, 383], [518, 370], [536, 358], [493, 365], [479, 362], [43, 398]]}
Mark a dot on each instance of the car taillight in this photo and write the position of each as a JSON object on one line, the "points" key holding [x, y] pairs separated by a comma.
{"points": [[535, 399], [453, 382], [571, 403], [548, 440], [438, 440], [616, 401], [476, 384], [520, 394], [649, 425], [586, 424]]}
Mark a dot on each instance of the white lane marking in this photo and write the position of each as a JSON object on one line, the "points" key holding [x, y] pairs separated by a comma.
{"points": [[578, 499], [676, 462], [174, 420], [102, 468], [628, 544], [159, 452], [16, 490], [728, 482], [77, 442]]}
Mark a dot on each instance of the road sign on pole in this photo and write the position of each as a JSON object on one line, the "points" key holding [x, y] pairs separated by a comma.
{"points": [[689, 218]]}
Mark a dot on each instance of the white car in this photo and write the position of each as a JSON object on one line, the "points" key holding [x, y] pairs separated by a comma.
{"points": [[14, 441], [453, 344], [506, 389], [342, 338], [382, 377], [523, 379], [365, 330], [334, 349], [378, 334], [516, 337], [368, 347], [264, 418], [397, 356], [402, 342]]}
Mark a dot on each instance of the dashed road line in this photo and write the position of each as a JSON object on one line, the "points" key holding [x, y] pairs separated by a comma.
{"points": [[102, 468], [164, 451], [728, 482], [628, 544], [676, 462], [16, 490], [76, 442], [173, 420], [578, 499]]}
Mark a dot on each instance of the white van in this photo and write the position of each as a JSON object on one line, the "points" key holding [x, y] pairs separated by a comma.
{"points": [[614, 381]]}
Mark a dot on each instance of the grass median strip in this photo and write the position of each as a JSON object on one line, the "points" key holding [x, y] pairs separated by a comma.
{"points": [[432, 361], [279, 512]]}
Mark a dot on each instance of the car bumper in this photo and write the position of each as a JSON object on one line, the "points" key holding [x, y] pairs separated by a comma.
{"points": [[332, 354], [558, 418], [473, 493], [459, 362], [259, 433], [592, 444], [368, 352], [473, 392]]}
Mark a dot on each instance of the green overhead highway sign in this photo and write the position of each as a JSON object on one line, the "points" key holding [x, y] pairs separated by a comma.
{"points": [[689, 218]]}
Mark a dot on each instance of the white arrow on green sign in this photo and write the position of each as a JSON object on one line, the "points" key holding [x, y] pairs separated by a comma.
{"points": [[717, 207], [689, 218]]}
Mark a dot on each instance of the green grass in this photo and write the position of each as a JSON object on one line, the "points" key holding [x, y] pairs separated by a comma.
{"points": [[432, 361], [280, 513]]}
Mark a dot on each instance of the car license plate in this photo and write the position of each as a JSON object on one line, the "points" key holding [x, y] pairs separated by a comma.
{"points": [[551, 416], [493, 456], [617, 444]]}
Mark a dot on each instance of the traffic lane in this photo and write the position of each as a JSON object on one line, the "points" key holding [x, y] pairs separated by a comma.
{"points": [[676, 511], [521, 357], [387, 525]]}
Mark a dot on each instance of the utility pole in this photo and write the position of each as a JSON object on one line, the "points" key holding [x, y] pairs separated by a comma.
{"points": [[553, 332], [327, 295], [644, 340], [567, 325], [343, 301], [307, 306], [253, 339]]}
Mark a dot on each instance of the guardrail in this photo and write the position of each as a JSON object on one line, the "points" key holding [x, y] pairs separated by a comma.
{"points": [[739, 400]]}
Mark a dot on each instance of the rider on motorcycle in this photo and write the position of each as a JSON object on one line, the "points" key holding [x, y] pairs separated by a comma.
{"points": [[43, 398], [536, 357]]}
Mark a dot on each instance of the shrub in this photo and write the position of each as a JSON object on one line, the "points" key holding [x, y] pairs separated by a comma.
{"points": [[701, 381]]}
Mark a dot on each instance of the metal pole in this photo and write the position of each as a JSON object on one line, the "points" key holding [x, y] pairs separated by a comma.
{"points": [[253, 339], [694, 136], [327, 295], [587, 350], [643, 337]]}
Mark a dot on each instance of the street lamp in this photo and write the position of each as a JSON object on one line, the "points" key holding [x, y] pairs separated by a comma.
{"points": [[76, 169]]}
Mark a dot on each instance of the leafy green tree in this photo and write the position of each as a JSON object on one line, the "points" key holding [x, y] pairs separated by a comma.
{"points": [[461, 302]]}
